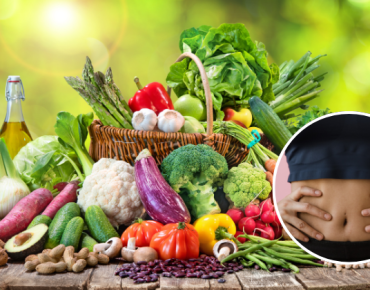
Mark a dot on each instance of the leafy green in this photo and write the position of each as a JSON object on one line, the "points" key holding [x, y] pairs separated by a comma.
{"points": [[236, 66], [314, 113], [72, 134], [40, 166]]}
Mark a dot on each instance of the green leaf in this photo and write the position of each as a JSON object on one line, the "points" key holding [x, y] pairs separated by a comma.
{"points": [[7, 165], [43, 164]]}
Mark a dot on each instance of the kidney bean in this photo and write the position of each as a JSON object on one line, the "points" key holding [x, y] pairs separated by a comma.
{"points": [[157, 270], [148, 279], [179, 274], [221, 280], [132, 275], [219, 273], [222, 269], [145, 272], [257, 267], [151, 264], [180, 266], [206, 277], [236, 269], [166, 274], [230, 271], [286, 270], [199, 275], [123, 275], [191, 275], [140, 280], [153, 276], [142, 263]]}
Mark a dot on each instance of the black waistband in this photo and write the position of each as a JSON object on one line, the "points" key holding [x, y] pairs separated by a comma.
{"points": [[339, 251]]}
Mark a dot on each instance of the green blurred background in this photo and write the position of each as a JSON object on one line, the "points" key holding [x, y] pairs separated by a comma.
{"points": [[44, 40]]}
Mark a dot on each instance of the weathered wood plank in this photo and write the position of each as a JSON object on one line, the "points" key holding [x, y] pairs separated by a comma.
{"points": [[3, 269], [259, 279], [184, 283], [103, 278], [329, 278], [128, 284], [232, 283], [17, 278]]}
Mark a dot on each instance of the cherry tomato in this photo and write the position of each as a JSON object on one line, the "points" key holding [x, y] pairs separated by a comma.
{"points": [[143, 231], [179, 240]]}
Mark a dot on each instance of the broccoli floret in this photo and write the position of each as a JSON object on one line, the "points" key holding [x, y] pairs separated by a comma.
{"points": [[195, 171], [244, 183]]}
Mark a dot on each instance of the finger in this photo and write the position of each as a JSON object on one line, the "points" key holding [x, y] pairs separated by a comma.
{"points": [[367, 229], [304, 191], [304, 227], [365, 212], [297, 234], [310, 209]]}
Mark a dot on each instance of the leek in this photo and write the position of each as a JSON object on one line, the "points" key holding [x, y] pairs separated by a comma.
{"points": [[12, 187]]}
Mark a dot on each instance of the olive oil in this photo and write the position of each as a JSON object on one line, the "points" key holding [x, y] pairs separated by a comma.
{"points": [[14, 129]]}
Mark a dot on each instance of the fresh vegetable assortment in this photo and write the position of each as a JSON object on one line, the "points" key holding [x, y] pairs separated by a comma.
{"points": [[161, 216]]}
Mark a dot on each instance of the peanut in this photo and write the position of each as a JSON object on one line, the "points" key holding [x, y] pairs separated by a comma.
{"points": [[46, 251], [103, 259], [2, 244], [83, 253], [57, 252], [79, 266], [70, 264], [46, 268], [62, 260], [94, 254], [68, 257], [91, 261], [3, 257], [31, 258], [60, 267], [31, 265], [44, 258]]}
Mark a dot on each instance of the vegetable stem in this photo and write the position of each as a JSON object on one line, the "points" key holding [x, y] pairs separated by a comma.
{"points": [[138, 84]]}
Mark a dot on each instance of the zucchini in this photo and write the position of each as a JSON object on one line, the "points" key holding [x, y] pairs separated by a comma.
{"points": [[270, 123], [72, 233], [99, 225], [40, 219], [59, 223], [87, 242]]}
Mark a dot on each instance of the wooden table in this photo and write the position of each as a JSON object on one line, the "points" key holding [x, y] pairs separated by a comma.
{"points": [[14, 277]]}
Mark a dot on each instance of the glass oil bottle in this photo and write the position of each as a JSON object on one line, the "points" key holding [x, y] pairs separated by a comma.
{"points": [[14, 129]]}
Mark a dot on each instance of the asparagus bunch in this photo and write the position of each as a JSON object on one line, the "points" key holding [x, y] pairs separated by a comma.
{"points": [[103, 95], [297, 85]]}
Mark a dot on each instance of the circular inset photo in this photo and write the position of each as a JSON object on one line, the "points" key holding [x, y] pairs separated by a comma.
{"points": [[322, 187]]}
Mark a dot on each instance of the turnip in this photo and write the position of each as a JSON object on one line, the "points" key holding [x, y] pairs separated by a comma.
{"points": [[240, 239], [252, 211], [267, 233], [22, 214], [236, 214], [68, 194], [266, 205], [268, 216], [247, 225]]}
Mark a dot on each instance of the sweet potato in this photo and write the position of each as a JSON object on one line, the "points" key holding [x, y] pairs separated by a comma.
{"points": [[68, 194], [22, 214]]}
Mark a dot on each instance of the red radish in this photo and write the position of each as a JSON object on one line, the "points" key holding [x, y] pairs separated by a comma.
{"points": [[68, 194], [268, 216], [240, 239], [22, 214], [276, 222], [236, 214], [252, 211], [268, 233], [247, 225], [260, 224], [278, 231], [266, 205], [60, 186]]}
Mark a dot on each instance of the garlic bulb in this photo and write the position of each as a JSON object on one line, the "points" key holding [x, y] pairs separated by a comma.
{"points": [[144, 120], [170, 121]]}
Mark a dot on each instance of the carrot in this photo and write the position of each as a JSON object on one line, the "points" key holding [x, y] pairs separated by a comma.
{"points": [[68, 194], [22, 214], [270, 165], [269, 177]]}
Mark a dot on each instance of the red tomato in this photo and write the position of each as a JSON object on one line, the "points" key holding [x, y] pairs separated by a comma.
{"points": [[143, 231], [178, 241]]}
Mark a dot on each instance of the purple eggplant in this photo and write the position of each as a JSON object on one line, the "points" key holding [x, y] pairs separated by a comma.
{"points": [[161, 202]]}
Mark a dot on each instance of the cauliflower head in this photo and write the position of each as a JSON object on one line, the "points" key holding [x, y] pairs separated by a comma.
{"points": [[111, 185], [244, 183]]}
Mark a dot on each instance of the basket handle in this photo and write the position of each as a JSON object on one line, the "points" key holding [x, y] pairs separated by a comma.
{"points": [[207, 90]]}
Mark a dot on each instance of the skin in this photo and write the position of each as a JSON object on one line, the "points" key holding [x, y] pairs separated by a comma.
{"points": [[328, 209]]}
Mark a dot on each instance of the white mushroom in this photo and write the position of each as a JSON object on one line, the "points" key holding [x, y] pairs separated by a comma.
{"points": [[127, 253], [224, 248], [111, 248]]}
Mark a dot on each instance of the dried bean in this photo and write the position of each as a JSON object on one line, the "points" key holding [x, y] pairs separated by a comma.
{"points": [[141, 263], [230, 271], [166, 274], [219, 273], [179, 275], [140, 280], [123, 275], [221, 280], [257, 267], [206, 277], [286, 270]]}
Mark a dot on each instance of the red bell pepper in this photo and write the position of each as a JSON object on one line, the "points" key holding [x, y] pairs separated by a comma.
{"points": [[153, 96]]}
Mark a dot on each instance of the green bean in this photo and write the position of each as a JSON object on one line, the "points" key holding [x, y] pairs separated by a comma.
{"points": [[247, 251], [291, 258], [289, 250], [270, 260], [302, 256], [257, 261], [256, 239], [245, 263]]}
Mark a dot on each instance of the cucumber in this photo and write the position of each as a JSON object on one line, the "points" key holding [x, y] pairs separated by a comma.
{"points": [[40, 219], [87, 242], [72, 233], [59, 223], [99, 225], [270, 123]]}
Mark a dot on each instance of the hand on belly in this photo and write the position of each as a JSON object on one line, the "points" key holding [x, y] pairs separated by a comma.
{"points": [[348, 202]]}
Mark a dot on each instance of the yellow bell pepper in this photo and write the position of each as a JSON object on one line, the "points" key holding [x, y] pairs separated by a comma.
{"points": [[212, 228]]}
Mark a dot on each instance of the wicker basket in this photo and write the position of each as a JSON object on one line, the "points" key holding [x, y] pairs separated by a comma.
{"points": [[125, 144]]}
